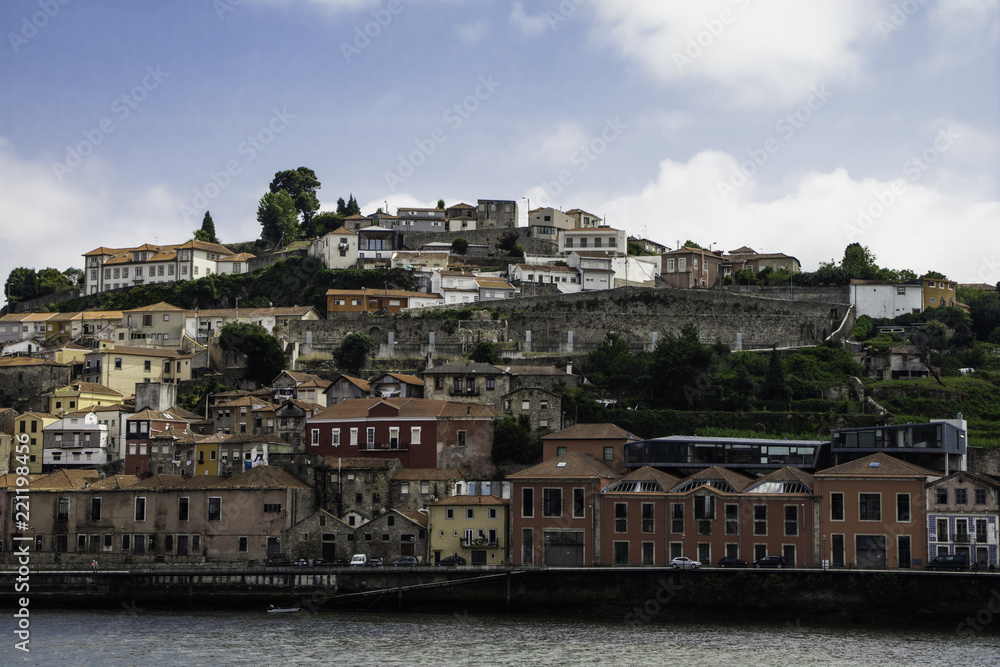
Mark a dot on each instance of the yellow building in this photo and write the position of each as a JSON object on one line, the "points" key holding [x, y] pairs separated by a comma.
{"points": [[31, 424], [939, 293], [80, 396], [122, 367], [474, 527]]}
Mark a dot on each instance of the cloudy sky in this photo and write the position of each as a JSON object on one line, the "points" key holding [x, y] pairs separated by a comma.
{"points": [[793, 126]]}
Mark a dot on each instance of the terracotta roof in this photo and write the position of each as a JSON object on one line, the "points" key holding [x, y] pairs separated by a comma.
{"points": [[246, 402], [358, 408], [426, 474], [591, 432], [250, 312], [95, 388], [418, 518], [14, 362], [886, 466], [156, 415], [143, 352], [66, 479], [472, 500], [546, 267], [571, 465], [379, 292], [735, 480], [405, 379], [363, 385], [665, 481], [156, 307]]}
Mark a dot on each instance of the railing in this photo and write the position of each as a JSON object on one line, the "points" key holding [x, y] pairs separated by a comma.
{"points": [[479, 543], [380, 447], [460, 392]]}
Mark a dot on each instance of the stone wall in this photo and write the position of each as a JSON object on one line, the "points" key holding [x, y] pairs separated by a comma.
{"points": [[577, 323]]}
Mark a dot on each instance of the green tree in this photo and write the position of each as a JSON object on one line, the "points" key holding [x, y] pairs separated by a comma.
{"points": [[74, 276], [352, 206], [326, 222], [352, 353], [278, 218], [51, 281], [681, 363], [612, 368], [21, 285], [513, 441], [459, 246], [302, 185], [775, 387], [264, 356], [859, 262], [207, 231], [440, 204], [691, 244], [934, 275], [484, 353]]}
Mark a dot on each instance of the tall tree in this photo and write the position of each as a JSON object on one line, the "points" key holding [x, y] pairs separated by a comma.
{"points": [[342, 207], [279, 221], [440, 204], [264, 356], [207, 231], [352, 206], [51, 281], [775, 387], [21, 285], [352, 353], [302, 185]]}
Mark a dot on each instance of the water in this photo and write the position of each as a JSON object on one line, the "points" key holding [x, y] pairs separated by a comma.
{"points": [[138, 637]]}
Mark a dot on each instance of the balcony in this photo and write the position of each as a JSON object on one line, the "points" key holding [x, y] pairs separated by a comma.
{"points": [[479, 543], [381, 447], [463, 392], [961, 538]]}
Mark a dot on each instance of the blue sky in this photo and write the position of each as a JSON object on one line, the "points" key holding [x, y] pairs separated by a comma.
{"points": [[793, 126]]}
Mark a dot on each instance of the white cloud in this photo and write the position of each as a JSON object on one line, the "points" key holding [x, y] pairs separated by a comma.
{"points": [[763, 51], [964, 30], [529, 24], [905, 223], [555, 147], [47, 223], [471, 33]]}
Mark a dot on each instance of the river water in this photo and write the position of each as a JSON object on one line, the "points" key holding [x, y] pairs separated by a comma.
{"points": [[134, 636]]}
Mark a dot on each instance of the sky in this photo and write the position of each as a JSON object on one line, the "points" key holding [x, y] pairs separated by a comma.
{"points": [[792, 126]]}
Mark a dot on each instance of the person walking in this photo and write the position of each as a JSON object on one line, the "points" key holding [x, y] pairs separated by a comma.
{"points": [[93, 565]]}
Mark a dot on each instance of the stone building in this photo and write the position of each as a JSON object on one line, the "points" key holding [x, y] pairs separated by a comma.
{"points": [[417, 488], [23, 381], [392, 534]]}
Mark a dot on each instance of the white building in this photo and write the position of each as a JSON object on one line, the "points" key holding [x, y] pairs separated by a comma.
{"points": [[337, 249], [78, 439], [595, 238], [884, 299]]}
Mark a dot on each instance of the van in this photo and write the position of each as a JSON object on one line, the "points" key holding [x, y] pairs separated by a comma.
{"points": [[949, 562], [359, 559]]}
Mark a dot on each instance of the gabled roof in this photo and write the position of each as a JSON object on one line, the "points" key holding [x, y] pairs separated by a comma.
{"points": [[591, 432], [15, 362], [570, 465], [357, 462], [156, 307], [363, 385], [402, 377], [142, 352], [418, 518], [66, 479], [643, 480], [877, 465], [987, 480], [783, 480], [721, 479]]}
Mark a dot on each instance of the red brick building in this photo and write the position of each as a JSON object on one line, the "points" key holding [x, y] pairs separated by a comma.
{"points": [[602, 441], [634, 514], [421, 433], [555, 508]]}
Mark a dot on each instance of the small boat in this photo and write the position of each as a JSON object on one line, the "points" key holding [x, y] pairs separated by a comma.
{"points": [[271, 609]]}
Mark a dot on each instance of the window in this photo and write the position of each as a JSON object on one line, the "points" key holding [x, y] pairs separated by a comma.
{"points": [[961, 496], [354, 436], [677, 518], [903, 507], [560, 451], [836, 506], [147, 365], [140, 509], [394, 436], [244, 543], [791, 520], [682, 264], [470, 513], [118, 363], [609, 453], [183, 506], [461, 438], [869, 507], [980, 496], [670, 266], [370, 436], [272, 508], [335, 437], [942, 530], [527, 502], [63, 512], [492, 513], [215, 508], [621, 517], [941, 496], [491, 384], [415, 435], [760, 519], [981, 530], [579, 504], [315, 437], [647, 517], [552, 502], [732, 519], [95, 509], [449, 513]]}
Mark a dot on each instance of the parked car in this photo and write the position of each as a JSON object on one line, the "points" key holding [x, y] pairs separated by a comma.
{"points": [[276, 560], [318, 561], [359, 559], [731, 561], [404, 561], [452, 560], [771, 561], [302, 562], [684, 563], [374, 562], [951, 562]]}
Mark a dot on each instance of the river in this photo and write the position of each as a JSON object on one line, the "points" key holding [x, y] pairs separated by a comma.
{"points": [[134, 636]]}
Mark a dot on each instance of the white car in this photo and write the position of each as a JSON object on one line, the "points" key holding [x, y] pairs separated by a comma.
{"points": [[684, 563], [359, 559]]}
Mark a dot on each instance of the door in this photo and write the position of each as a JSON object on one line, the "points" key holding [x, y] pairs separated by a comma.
{"points": [[329, 547], [182, 545], [904, 551], [564, 548], [273, 546], [870, 551], [788, 551]]}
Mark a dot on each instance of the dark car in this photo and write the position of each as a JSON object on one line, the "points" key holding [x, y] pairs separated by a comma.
{"points": [[318, 561], [301, 562], [730, 561], [771, 561], [404, 561], [374, 562], [951, 562], [338, 562], [452, 560]]}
